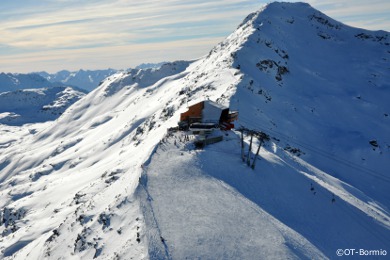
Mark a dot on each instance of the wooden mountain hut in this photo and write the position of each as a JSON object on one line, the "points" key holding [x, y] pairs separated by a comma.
{"points": [[208, 111]]}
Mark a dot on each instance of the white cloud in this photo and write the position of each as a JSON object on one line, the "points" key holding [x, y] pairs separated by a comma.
{"points": [[80, 33], [125, 56]]}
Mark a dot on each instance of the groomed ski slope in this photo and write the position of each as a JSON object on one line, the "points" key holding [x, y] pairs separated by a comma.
{"points": [[208, 202]]}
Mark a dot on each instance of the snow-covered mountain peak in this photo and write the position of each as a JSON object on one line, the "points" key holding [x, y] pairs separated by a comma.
{"points": [[290, 50], [297, 25]]}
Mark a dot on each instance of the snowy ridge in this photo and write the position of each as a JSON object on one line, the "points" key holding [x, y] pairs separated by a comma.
{"points": [[105, 180], [140, 78]]}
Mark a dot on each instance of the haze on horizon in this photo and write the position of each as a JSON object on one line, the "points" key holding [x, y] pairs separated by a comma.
{"points": [[51, 35]]}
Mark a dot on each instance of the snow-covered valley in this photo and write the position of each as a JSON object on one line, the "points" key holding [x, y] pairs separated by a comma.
{"points": [[105, 180]]}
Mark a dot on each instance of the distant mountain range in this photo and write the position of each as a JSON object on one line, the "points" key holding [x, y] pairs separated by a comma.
{"points": [[90, 79], [150, 65], [16, 81], [84, 79]]}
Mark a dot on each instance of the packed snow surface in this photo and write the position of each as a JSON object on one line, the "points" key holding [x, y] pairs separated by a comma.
{"points": [[107, 181]]}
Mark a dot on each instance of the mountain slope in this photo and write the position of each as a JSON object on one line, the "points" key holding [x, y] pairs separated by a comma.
{"points": [[36, 105], [328, 99], [106, 181], [90, 143]]}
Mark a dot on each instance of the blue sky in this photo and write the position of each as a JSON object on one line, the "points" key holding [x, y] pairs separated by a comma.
{"points": [[52, 35]]}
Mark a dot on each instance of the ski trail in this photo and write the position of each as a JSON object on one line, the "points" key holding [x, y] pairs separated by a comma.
{"points": [[154, 232]]}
